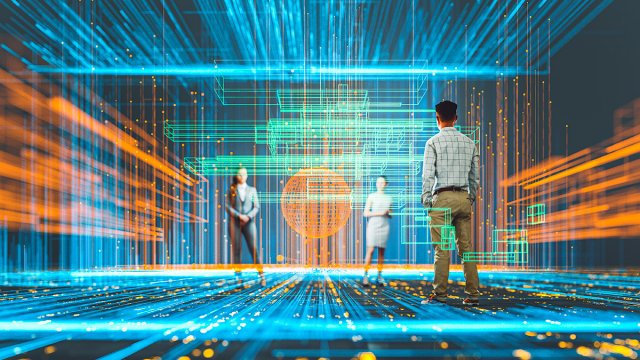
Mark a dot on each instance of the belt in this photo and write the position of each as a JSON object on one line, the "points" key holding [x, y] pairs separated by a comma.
{"points": [[449, 188]]}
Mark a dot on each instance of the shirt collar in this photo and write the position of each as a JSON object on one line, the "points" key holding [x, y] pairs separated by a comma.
{"points": [[242, 186], [449, 128]]}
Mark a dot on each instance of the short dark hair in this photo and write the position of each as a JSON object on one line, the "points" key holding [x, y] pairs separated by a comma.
{"points": [[447, 110]]}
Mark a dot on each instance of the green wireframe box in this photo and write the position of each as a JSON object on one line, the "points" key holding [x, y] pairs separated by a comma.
{"points": [[536, 214]]}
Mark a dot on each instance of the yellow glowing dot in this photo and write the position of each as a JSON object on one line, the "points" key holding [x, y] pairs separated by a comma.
{"points": [[184, 358], [49, 350], [444, 345], [366, 356], [188, 339], [522, 354], [207, 353], [584, 351]]}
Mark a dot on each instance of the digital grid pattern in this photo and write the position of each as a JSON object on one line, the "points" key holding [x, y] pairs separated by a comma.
{"points": [[122, 123], [199, 314], [128, 120]]}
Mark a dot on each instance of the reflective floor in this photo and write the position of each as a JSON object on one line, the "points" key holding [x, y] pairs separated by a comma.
{"points": [[200, 314]]}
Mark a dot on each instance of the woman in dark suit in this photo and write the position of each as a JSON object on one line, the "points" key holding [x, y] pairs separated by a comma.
{"points": [[242, 205]]}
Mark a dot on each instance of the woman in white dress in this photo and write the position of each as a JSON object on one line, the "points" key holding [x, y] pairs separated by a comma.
{"points": [[378, 210]]}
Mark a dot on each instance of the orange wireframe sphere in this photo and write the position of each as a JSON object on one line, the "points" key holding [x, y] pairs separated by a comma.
{"points": [[316, 203]]}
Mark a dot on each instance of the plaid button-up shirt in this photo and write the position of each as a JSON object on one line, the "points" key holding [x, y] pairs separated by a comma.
{"points": [[450, 159]]}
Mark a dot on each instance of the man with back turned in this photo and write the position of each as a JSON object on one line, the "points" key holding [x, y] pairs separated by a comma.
{"points": [[450, 181]]}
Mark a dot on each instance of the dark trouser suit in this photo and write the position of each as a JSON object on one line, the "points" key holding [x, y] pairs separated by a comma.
{"points": [[250, 233]]}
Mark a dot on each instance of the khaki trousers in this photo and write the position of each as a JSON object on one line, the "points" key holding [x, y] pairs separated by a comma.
{"points": [[460, 206]]}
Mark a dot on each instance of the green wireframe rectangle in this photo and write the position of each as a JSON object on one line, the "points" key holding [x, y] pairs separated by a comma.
{"points": [[536, 214]]}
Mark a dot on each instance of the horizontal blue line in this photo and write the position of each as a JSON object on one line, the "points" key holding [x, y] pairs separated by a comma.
{"points": [[249, 71]]}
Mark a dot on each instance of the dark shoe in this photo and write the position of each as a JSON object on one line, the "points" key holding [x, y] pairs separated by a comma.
{"points": [[365, 281], [470, 302], [434, 299]]}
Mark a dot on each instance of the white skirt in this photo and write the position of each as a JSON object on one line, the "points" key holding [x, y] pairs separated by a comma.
{"points": [[378, 231]]}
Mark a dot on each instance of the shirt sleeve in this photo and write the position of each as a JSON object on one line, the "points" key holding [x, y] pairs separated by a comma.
{"points": [[228, 204], [428, 173], [474, 174], [367, 205], [256, 203]]}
